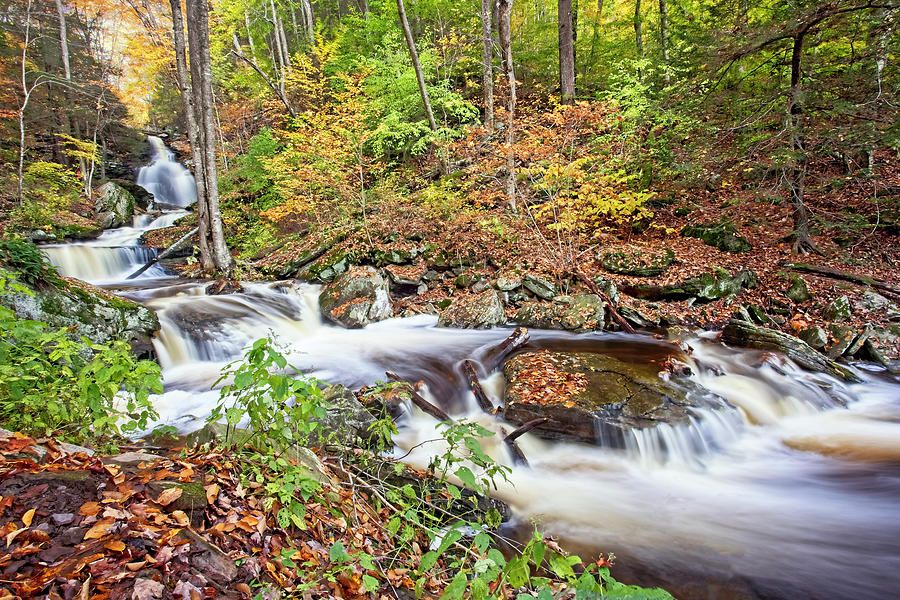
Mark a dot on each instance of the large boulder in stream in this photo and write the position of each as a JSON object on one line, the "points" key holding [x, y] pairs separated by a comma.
{"points": [[584, 312], [589, 397], [358, 297], [474, 311], [114, 205], [88, 312]]}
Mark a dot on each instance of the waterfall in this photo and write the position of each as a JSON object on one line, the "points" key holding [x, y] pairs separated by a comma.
{"points": [[169, 182]]}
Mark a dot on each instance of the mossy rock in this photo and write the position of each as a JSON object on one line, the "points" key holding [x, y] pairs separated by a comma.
{"points": [[798, 291], [722, 235], [589, 397], [637, 264], [584, 312], [705, 288]]}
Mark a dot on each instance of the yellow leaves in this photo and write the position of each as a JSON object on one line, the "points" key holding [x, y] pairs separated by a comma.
{"points": [[27, 518], [99, 529]]}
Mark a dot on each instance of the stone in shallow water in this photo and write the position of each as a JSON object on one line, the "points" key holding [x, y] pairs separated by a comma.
{"points": [[584, 312], [479, 311], [356, 298], [590, 397]]}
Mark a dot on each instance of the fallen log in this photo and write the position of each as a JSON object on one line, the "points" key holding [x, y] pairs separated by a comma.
{"points": [[842, 276], [496, 355], [164, 254], [471, 374], [748, 335], [613, 310], [526, 428], [421, 402]]}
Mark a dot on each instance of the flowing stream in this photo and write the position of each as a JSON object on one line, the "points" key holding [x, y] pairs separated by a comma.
{"points": [[791, 489]]}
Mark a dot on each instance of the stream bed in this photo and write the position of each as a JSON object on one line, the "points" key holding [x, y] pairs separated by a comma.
{"points": [[790, 490]]}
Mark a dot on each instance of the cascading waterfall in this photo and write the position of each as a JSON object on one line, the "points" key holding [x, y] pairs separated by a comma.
{"points": [[782, 484], [117, 252], [167, 179]]}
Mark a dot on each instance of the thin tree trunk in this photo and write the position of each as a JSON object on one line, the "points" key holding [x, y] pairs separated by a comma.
{"points": [[566, 52], [420, 78], [803, 243], [503, 35], [505, 7], [310, 22], [63, 40], [280, 38], [638, 35], [26, 93], [664, 39], [249, 34], [487, 73], [183, 79]]}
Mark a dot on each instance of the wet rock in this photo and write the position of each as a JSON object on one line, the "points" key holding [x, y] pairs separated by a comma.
{"points": [[870, 300], [345, 420], [798, 291], [87, 312], [386, 400], [539, 286], [129, 459], [637, 318], [356, 298], [584, 312], [638, 263], [607, 287], [871, 352], [590, 397], [837, 310], [116, 201], [748, 335], [508, 284], [705, 288], [406, 281], [480, 286], [474, 311], [722, 235], [222, 287], [815, 337]]}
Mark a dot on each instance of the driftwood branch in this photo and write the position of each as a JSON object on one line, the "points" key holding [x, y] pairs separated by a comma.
{"points": [[843, 276], [421, 402], [613, 309], [497, 354], [471, 374], [525, 428], [165, 253]]}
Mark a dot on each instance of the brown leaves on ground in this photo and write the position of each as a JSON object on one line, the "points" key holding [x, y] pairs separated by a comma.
{"points": [[73, 526], [540, 381]]}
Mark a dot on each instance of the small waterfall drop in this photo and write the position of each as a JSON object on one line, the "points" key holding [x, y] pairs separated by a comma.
{"points": [[117, 252], [168, 180]]}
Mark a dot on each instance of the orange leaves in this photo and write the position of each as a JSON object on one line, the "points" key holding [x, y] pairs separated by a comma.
{"points": [[169, 496], [542, 382], [99, 529]]}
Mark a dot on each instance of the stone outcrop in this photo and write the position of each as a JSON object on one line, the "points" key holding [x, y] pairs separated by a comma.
{"points": [[358, 297], [589, 397], [474, 311], [584, 312], [114, 205], [88, 312]]}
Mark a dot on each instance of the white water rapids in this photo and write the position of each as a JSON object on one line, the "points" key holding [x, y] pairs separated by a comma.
{"points": [[791, 489]]}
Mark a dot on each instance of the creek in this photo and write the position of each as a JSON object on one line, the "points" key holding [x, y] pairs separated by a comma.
{"points": [[791, 490]]}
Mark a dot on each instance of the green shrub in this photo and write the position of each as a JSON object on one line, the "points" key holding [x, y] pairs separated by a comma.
{"points": [[26, 258], [77, 390]]}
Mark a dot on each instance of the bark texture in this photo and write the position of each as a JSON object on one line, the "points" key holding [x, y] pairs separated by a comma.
{"points": [[566, 52]]}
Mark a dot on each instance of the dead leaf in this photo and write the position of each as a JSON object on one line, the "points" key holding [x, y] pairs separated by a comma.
{"points": [[169, 496], [99, 529], [28, 517], [89, 509], [181, 518], [212, 492], [14, 535], [115, 546], [135, 566], [146, 589], [85, 589]]}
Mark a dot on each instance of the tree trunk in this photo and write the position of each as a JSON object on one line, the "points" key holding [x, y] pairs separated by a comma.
{"points": [[505, 7], [420, 79], [183, 79], [503, 35], [487, 73], [63, 40], [797, 178], [566, 52], [664, 39], [249, 34], [198, 36], [638, 36], [310, 22]]}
